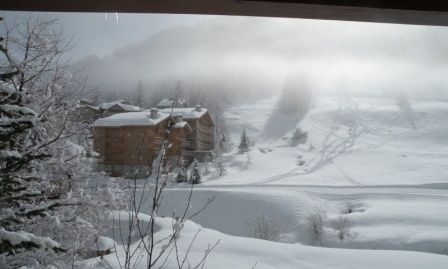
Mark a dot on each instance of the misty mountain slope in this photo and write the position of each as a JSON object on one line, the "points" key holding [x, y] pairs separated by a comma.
{"points": [[214, 56], [357, 141], [252, 56]]}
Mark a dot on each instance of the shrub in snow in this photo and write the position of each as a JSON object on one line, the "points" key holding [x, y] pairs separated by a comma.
{"points": [[181, 173], [247, 163], [263, 228], [311, 147], [195, 176], [225, 143], [207, 161], [315, 224], [300, 161], [342, 226], [298, 137], [177, 227], [219, 166], [352, 207], [244, 143], [181, 176]]}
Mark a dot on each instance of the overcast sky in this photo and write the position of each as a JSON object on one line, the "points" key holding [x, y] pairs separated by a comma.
{"points": [[368, 57], [101, 33]]}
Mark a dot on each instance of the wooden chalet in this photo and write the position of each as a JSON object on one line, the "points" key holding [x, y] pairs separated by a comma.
{"points": [[129, 142], [201, 122], [120, 106], [87, 112]]}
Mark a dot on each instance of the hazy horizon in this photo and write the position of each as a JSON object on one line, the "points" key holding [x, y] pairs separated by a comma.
{"points": [[257, 54]]}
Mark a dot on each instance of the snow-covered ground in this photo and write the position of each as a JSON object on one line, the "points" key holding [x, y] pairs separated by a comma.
{"points": [[242, 252], [366, 160], [382, 218], [360, 141]]}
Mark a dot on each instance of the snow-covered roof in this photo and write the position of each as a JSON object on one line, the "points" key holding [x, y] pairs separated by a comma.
{"points": [[185, 112], [181, 124], [131, 119], [87, 106], [125, 107], [168, 102], [143, 118]]}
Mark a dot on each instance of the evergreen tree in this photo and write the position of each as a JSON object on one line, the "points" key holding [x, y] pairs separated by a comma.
{"points": [[244, 143], [24, 195], [49, 206], [195, 176]]}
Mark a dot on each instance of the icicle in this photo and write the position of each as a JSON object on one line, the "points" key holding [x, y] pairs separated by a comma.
{"points": [[116, 16]]}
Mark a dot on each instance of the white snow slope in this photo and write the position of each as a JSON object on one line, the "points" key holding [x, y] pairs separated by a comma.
{"points": [[363, 160], [240, 252], [360, 141], [365, 157]]}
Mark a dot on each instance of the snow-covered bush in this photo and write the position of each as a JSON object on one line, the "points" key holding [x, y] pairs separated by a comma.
{"points": [[263, 228], [248, 162], [180, 171], [181, 176], [300, 161], [195, 176], [342, 226], [219, 166], [298, 137], [351, 207], [315, 224], [104, 245]]}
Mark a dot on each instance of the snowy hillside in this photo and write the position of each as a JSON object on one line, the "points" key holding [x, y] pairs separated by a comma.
{"points": [[366, 164], [354, 142]]}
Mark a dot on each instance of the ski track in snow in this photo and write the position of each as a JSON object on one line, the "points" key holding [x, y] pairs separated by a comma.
{"points": [[343, 130]]}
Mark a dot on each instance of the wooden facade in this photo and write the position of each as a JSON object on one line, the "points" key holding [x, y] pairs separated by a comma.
{"points": [[126, 147], [201, 141], [123, 150], [202, 137], [88, 113]]}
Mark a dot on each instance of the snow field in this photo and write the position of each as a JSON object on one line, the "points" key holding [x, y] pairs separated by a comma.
{"points": [[241, 252]]}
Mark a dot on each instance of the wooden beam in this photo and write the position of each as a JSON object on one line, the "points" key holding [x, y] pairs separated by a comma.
{"points": [[428, 12]]}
